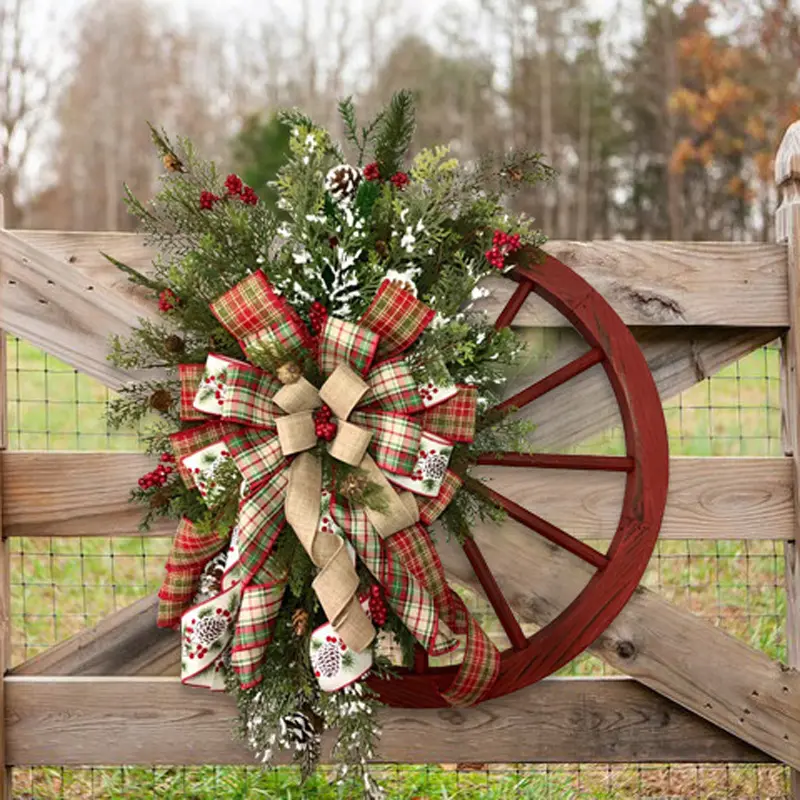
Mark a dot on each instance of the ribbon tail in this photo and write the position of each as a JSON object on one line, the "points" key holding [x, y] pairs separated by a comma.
{"points": [[481, 664], [336, 584]]}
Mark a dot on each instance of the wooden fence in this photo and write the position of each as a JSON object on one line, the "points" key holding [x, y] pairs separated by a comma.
{"points": [[692, 693]]}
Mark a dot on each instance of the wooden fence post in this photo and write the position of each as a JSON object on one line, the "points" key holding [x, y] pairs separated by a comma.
{"points": [[5, 584], [787, 229]]}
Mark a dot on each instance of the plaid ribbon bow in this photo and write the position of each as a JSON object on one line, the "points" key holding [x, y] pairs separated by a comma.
{"points": [[410, 431]]}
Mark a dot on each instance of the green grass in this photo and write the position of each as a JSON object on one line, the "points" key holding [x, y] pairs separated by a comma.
{"points": [[60, 586]]}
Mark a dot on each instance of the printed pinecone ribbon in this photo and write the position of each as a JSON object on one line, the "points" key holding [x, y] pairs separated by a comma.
{"points": [[393, 432]]}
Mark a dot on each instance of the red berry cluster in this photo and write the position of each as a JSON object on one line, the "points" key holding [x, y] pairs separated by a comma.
{"points": [[372, 172], [502, 245], [377, 606], [235, 187], [210, 380], [400, 180], [324, 427], [160, 475], [208, 200], [318, 315], [167, 301]]}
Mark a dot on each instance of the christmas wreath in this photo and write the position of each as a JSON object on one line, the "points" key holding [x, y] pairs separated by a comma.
{"points": [[316, 388]]}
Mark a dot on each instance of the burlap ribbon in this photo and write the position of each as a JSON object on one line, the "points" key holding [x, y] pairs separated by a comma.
{"points": [[336, 583]]}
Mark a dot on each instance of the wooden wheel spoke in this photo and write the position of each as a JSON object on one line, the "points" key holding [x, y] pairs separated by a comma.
{"points": [[514, 304], [544, 528], [558, 461], [554, 380], [495, 595]]}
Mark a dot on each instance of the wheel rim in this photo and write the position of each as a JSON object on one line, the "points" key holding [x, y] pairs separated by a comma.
{"points": [[617, 572]]}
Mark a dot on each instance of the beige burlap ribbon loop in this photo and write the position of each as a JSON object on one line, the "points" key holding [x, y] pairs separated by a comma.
{"points": [[298, 396], [342, 391], [296, 432], [350, 443], [337, 582], [401, 508]]}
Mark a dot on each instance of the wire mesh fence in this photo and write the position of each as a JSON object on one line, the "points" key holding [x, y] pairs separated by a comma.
{"points": [[63, 585]]}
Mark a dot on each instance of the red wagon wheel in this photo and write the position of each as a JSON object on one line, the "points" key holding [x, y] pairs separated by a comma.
{"points": [[619, 570]]}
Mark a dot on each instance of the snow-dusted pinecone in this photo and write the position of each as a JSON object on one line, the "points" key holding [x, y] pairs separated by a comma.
{"points": [[327, 659], [211, 579], [208, 629], [342, 183], [434, 467], [297, 728]]}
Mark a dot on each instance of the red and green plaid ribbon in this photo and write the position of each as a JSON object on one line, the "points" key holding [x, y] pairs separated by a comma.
{"points": [[481, 663], [252, 307], [190, 441], [392, 388], [261, 519], [190, 553], [261, 601], [248, 399], [402, 591], [454, 418], [190, 377], [257, 455], [430, 508], [397, 317], [344, 342], [395, 440]]}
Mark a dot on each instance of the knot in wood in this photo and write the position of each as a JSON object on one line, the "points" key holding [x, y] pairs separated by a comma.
{"points": [[626, 649]]}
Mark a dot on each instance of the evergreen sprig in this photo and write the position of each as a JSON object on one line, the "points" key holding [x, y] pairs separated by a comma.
{"points": [[394, 132]]}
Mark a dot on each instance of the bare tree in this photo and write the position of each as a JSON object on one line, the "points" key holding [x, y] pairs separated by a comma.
{"points": [[26, 84]]}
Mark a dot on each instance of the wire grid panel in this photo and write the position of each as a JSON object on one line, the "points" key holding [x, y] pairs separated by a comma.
{"points": [[63, 585]]}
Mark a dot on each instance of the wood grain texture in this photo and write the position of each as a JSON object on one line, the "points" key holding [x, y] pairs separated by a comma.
{"points": [[787, 176], [86, 494], [669, 283], [51, 304], [709, 498], [677, 358], [127, 642], [647, 283], [664, 647], [84, 721]]}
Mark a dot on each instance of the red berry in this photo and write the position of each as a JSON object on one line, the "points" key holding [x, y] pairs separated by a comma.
{"points": [[233, 184], [399, 180], [372, 172], [208, 200], [167, 301]]}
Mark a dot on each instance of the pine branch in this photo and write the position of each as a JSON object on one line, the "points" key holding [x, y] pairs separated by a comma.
{"points": [[134, 275], [394, 133]]}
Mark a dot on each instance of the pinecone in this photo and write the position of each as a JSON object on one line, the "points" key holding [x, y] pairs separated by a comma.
{"points": [[381, 248], [211, 579], [289, 373], [174, 344], [160, 499], [172, 163], [297, 728], [327, 660], [208, 629], [342, 183], [161, 400], [300, 622], [434, 466], [354, 485]]}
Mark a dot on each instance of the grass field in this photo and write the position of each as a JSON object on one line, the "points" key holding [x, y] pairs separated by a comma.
{"points": [[60, 586]]}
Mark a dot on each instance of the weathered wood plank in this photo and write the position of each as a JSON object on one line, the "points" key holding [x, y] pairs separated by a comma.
{"points": [[586, 405], [87, 494], [52, 305], [788, 231], [127, 642], [100, 721], [670, 283], [709, 498], [647, 283], [664, 647]]}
